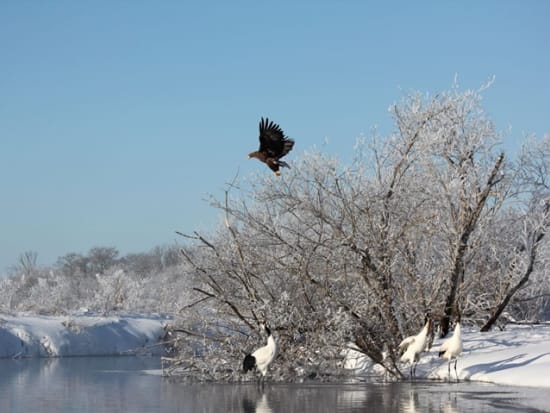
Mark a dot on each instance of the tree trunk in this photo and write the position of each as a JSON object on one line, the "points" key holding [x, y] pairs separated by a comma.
{"points": [[470, 222]]}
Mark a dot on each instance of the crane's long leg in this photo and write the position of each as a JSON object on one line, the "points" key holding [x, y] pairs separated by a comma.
{"points": [[262, 381], [449, 369], [457, 380]]}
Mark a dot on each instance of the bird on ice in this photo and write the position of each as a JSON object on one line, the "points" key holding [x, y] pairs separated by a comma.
{"points": [[273, 146], [413, 346], [262, 357], [452, 348]]}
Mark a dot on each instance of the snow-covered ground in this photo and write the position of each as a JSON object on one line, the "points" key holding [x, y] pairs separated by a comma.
{"points": [[79, 335], [517, 356]]}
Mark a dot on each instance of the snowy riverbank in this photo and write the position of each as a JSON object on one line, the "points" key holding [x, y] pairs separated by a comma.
{"points": [[79, 335], [517, 356]]}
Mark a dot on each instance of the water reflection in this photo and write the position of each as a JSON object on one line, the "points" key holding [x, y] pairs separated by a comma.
{"points": [[430, 397], [325, 398], [260, 405], [111, 384], [116, 385], [410, 405]]}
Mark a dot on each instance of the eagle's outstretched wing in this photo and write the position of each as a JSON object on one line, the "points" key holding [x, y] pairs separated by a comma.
{"points": [[273, 142]]}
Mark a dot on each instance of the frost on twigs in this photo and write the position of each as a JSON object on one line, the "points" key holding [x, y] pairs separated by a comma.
{"points": [[434, 219]]}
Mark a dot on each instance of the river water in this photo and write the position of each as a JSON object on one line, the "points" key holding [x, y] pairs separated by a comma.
{"points": [[130, 384]]}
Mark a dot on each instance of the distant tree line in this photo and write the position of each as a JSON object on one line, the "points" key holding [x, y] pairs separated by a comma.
{"points": [[100, 281]]}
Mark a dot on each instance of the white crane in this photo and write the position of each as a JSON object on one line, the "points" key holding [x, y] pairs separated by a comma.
{"points": [[263, 356], [414, 345], [452, 347]]}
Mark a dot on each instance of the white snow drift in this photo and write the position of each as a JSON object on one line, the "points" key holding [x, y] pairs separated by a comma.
{"points": [[518, 356], [79, 335]]}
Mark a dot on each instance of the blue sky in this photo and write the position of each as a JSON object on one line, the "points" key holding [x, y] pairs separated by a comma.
{"points": [[119, 118]]}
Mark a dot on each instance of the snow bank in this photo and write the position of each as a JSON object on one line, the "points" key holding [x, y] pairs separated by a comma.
{"points": [[518, 356], [79, 335]]}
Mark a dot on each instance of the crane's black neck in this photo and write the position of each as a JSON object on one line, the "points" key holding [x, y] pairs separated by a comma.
{"points": [[267, 330]]}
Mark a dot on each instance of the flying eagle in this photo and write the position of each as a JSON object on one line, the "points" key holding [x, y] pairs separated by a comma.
{"points": [[273, 146]]}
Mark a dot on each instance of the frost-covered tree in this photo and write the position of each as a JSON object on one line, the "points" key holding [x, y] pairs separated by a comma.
{"points": [[27, 263], [73, 264], [331, 254], [101, 258]]}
